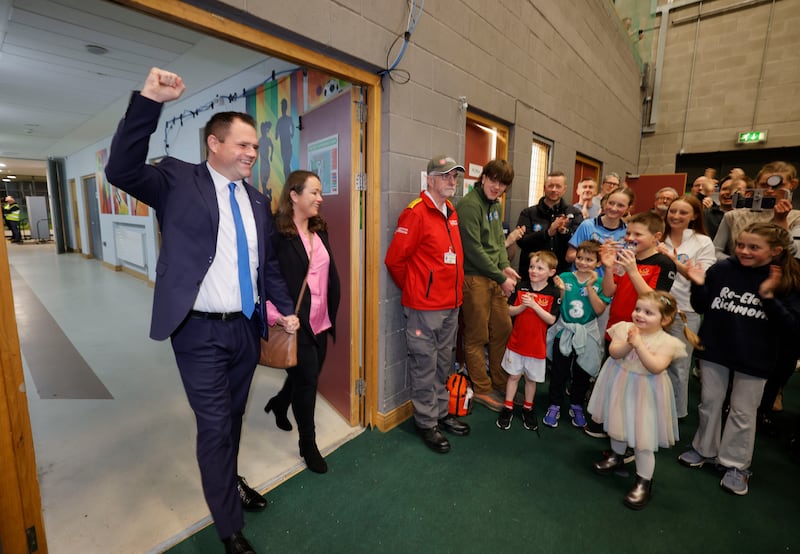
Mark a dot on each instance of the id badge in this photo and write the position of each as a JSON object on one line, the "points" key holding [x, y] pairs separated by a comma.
{"points": [[450, 258]]}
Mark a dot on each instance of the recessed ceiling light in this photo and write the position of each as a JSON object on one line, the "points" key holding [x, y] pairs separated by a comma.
{"points": [[6, 180], [12, 176], [2, 164], [96, 49]]}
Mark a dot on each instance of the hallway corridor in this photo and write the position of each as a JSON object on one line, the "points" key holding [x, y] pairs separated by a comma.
{"points": [[113, 432]]}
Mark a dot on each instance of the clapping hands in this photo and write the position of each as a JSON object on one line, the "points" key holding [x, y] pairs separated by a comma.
{"points": [[695, 273]]}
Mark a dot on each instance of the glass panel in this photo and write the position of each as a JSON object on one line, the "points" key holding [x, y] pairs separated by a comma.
{"points": [[540, 165]]}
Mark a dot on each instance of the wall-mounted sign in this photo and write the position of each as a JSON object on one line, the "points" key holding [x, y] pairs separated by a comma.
{"points": [[751, 137]]}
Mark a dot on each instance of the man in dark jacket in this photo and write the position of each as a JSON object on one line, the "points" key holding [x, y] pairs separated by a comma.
{"points": [[549, 224], [215, 272]]}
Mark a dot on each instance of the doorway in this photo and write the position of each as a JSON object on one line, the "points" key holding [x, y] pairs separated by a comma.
{"points": [[585, 168], [364, 208], [485, 139], [76, 220], [93, 213]]}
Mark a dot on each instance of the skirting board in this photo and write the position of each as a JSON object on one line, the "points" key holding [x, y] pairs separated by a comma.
{"points": [[388, 421]]}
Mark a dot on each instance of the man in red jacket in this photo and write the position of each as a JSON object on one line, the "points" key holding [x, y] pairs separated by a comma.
{"points": [[426, 261]]}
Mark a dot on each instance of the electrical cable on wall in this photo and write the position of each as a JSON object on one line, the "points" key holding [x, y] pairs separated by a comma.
{"points": [[414, 13], [219, 100]]}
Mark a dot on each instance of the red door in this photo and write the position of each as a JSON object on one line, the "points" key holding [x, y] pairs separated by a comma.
{"points": [[584, 168], [325, 128]]}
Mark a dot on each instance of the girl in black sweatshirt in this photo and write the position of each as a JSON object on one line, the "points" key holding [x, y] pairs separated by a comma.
{"points": [[751, 307]]}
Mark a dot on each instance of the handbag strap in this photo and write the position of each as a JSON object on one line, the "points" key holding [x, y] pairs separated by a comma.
{"points": [[305, 280]]}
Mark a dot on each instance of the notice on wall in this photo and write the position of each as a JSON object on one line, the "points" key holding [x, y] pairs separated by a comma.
{"points": [[323, 159], [469, 184]]}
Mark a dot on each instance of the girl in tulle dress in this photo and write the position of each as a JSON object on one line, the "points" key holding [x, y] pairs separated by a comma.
{"points": [[633, 396]]}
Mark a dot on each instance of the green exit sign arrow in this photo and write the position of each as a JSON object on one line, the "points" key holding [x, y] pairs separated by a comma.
{"points": [[750, 137]]}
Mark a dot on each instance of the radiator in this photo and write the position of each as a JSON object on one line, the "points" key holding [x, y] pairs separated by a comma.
{"points": [[130, 243]]}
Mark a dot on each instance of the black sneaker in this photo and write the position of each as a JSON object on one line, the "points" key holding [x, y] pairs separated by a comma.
{"points": [[594, 429], [504, 419], [529, 420]]}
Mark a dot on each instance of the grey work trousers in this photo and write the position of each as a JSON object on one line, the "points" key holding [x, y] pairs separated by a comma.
{"points": [[431, 341]]}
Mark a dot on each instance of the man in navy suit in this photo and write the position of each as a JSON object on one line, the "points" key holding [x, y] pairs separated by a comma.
{"points": [[198, 301]]}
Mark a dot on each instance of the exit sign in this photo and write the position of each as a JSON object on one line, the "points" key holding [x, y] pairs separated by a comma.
{"points": [[750, 137]]}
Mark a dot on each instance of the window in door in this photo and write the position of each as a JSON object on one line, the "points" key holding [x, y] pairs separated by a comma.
{"points": [[541, 160]]}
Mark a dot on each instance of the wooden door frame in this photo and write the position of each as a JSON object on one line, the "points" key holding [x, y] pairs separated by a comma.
{"points": [[20, 500], [366, 362]]}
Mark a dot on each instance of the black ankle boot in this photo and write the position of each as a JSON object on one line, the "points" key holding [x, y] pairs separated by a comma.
{"points": [[281, 420], [641, 493], [314, 460], [608, 464]]}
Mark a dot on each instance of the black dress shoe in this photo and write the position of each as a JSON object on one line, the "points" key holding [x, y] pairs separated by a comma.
{"points": [[281, 420], [237, 544], [251, 500], [453, 425], [434, 439], [609, 463], [641, 493], [314, 460]]}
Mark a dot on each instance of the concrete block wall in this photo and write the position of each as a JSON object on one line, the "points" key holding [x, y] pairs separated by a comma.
{"points": [[562, 70], [703, 106]]}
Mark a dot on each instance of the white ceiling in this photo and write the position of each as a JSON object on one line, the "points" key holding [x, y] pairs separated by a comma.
{"points": [[57, 98]]}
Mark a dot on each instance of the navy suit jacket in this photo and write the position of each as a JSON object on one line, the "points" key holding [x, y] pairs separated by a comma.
{"points": [[183, 196]]}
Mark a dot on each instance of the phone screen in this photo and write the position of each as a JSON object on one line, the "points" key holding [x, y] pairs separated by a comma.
{"points": [[756, 200]]}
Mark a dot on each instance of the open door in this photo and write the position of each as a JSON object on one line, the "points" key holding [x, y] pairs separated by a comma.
{"points": [[93, 216], [326, 147], [76, 220]]}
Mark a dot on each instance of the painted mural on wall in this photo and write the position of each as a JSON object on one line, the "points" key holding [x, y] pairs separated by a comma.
{"points": [[112, 199], [277, 106], [103, 187]]}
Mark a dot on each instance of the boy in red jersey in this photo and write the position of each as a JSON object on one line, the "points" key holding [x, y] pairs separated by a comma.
{"points": [[534, 306]]}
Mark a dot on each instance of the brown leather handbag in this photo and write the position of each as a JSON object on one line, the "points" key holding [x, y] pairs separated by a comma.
{"points": [[280, 350]]}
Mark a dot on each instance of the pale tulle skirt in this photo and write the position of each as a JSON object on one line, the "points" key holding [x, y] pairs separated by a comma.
{"points": [[635, 408]]}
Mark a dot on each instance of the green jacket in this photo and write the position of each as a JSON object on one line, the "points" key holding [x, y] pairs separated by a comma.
{"points": [[482, 237]]}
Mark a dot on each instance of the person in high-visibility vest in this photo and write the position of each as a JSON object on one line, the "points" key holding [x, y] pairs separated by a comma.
{"points": [[11, 217]]}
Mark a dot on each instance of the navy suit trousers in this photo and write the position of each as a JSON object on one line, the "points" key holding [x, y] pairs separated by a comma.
{"points": [[216, 360]]}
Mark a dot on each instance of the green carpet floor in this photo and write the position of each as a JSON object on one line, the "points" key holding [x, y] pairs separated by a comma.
{"points": [[512, 491]]}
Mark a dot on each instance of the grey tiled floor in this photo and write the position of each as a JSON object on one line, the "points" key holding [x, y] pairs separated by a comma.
{"points": [[119, 474]]}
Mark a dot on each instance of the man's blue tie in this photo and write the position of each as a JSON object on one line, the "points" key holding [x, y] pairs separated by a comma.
{"points": [[243, 257]]}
